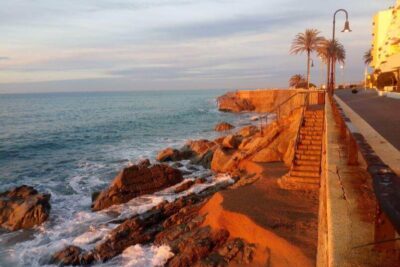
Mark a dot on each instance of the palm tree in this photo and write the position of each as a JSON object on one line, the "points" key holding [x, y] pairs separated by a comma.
{"points": [[368, 57], [297, 80], [331, 50], [308, 42]]}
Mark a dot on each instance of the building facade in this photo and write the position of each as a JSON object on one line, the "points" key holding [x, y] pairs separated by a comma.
{"points": [[386, 49]]}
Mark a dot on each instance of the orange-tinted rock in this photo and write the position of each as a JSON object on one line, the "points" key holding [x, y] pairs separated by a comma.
{"points": [[171, 154], [248, 131], [134, 181], [23, 207], [232, 141], [199, 147], [223, 126], [223, 160], [230, 102]]}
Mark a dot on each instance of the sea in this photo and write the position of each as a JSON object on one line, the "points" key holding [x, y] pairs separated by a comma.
{"points": [[73, 144]]}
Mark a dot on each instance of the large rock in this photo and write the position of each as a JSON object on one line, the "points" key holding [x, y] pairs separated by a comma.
{"points": [[223, 126], [134, 181], [171, 154], [248, 131], [230, 102], [232, 141], [199, 147], [23, 207], [224, 160]]}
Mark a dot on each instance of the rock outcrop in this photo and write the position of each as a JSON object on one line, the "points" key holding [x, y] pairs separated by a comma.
{"points": [[275, 143], [223, 126], [23, 207], [230, 102], [177, 224], [171, 154], [134, 181], [199, 152]]}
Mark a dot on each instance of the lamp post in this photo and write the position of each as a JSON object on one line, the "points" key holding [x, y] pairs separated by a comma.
{"points": [[332, 59]]}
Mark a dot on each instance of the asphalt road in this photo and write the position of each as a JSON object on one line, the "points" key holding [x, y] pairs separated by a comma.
{"points": [[382, 113]]}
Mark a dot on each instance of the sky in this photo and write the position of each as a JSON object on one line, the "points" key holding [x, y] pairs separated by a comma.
{"points": [[120, 45]]}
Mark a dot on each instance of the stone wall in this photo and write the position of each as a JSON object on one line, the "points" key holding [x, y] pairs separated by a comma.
{"points": [[264, 100]]}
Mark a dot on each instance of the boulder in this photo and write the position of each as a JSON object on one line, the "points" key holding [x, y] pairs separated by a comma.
{"points": [[171, 154], [199, 147], [201, 151], [248, 131], [134, 181], [232, 141], [223, 126], [224, 160], [23, 207], [205, 159]]}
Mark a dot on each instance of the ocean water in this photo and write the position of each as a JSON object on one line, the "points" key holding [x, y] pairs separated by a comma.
{"points": [[71, 144]]}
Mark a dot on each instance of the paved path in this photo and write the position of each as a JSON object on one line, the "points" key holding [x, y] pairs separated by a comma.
{"points": [[382, 113]]}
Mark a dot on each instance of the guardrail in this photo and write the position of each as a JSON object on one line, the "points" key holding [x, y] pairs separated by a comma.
{"points": [[302, 98], [386, 182]]}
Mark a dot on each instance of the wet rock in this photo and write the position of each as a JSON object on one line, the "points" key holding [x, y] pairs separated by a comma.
{"points": [[183, 187], [144, 163], [170, 154], [199, 147], [134, 181], [23, 207], [204, 160], [196, 245], [68, 256], [223, 126]]}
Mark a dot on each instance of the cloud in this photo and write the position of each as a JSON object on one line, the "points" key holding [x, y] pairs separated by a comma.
{"points": [[4, 58]]}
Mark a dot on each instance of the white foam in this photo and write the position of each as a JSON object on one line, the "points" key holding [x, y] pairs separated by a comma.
{"points": [[146, 256], [86, 229]]}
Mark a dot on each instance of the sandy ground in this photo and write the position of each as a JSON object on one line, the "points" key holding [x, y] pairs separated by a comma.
{"points": [[283, 224]]}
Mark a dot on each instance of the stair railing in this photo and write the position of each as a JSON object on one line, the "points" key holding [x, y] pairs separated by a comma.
{"points": [[278, 110], [303, 113]]}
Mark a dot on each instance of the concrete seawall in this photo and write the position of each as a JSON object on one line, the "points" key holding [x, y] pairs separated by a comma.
{"points": [[263, 100]]}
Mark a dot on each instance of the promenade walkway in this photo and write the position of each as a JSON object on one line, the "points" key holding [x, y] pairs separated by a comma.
{"points": [[382, 113]]}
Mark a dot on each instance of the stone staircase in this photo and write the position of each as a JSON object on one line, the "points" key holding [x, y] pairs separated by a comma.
{"points": [[305, 171]]}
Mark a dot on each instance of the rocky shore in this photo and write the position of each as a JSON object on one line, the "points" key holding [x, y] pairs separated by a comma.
{"points": [[195, 226]]}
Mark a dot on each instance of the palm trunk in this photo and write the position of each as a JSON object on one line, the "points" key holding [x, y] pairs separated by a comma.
{"points": [[308, 69]]}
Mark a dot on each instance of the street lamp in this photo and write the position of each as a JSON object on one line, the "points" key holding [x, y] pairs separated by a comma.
{"points": [[332, 61]]}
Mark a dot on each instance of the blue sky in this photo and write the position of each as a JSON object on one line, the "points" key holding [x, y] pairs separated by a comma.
{"points": [[105, 45]]}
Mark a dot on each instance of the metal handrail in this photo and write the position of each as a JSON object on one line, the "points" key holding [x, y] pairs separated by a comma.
{"points": [[277, 110], [306, 103]]}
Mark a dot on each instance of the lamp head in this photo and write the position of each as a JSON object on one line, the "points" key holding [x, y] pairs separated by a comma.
{"points": [[346, 27]]}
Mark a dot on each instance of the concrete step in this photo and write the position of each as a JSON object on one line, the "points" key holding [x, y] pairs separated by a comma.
{"points": [[314, 116], [311, 147], [313, 124], [305, 174], [311, 133], [312, 128], [310, 142], [308, 137], [306, 168], [308, 152], [308, 180], [303, 162], [308, 157], [293, 183]]}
